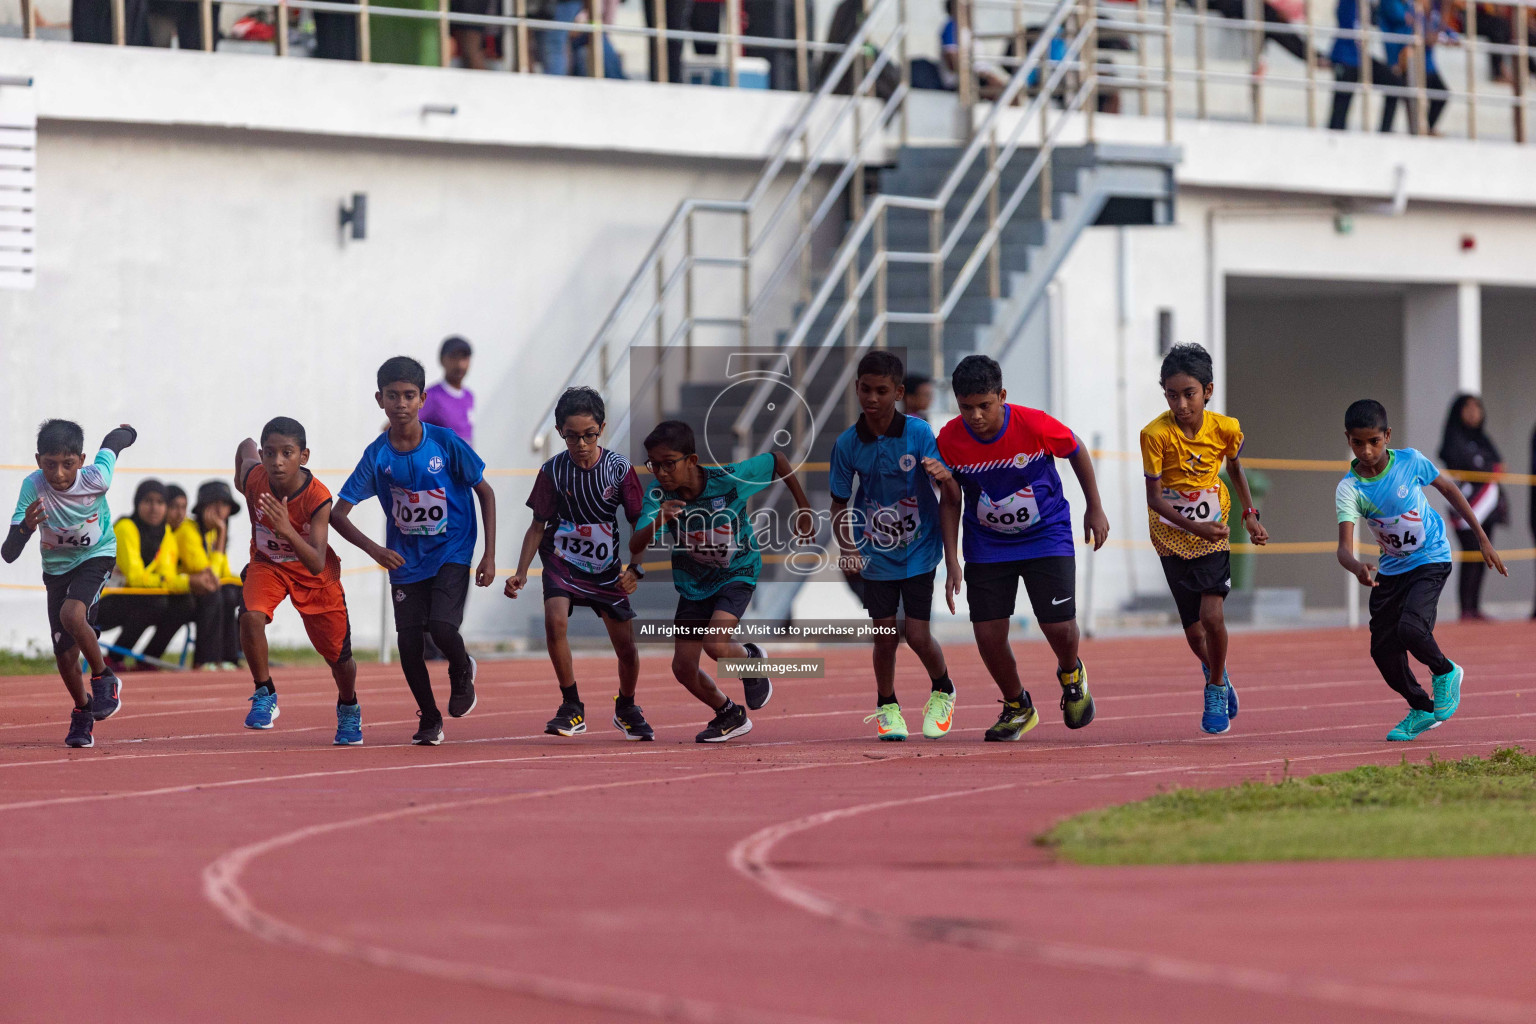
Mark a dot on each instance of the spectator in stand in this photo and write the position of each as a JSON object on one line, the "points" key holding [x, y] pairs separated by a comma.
{"points": [[1465, 446], [147, 558], [917, 396], [90, 21], [991, 77], [679, 15], [1276, 12], [448, 402], [182, 21], [215, 595], [1495, 24], [553, 52], [1428, 15], [469, 36], [1345, 57]]}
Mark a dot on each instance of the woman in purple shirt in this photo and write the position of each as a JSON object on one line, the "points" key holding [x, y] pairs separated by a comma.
{"points": [[449, 403]]}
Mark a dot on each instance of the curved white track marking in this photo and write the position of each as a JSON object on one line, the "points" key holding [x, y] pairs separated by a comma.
{"points": [[221, 886], [752, 857]]}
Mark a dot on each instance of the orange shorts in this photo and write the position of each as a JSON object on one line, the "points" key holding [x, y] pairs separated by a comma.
{"points": [[323, 607]]}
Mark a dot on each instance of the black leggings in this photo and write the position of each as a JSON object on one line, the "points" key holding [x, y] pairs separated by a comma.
{"points": [[135, 614], [1469, 583], [218, 626], [413, 661], [1291, 42], [1402, 623], [1344, 98]]}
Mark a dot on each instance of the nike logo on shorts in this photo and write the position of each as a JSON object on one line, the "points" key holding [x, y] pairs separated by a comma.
{"points": [[1060, 600]]}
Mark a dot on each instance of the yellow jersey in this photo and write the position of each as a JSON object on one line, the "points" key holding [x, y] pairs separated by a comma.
{"points": [[162, 571], [1189, 469]]}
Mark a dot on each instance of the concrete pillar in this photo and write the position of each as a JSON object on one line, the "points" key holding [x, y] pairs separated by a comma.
{"points": [[1442, 355]]}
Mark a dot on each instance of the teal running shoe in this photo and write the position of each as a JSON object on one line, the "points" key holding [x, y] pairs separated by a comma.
{"points": [[264, 709], [1215, 720], [1415, 725], [1448, 693], [349, 725], [1231, 690]]}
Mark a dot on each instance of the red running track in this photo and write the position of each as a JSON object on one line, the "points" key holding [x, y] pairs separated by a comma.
{"points": [[189, 870]]}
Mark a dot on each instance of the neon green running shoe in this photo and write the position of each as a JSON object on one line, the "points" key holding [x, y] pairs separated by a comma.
{"points": [[891, 725], [1415, 725], [938, 714], [1016, 719], [1076, 701]]}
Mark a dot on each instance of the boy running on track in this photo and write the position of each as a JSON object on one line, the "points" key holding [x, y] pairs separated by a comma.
{"points": [[1018, 525], [291, 557], [715, 559], [575, 531], [1189, 509], [1384, 489], [893, 541], [67, 499], [424, 476]]}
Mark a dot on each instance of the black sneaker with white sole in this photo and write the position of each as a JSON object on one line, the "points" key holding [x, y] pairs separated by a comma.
{"points": [[629, 720], [462, 700], [431, 732], [80, 722], [570, 720], [732, 721], [106, 695], [757, 689]]}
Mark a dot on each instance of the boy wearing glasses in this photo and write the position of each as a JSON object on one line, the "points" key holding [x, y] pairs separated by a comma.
{"points": [[575, 531], [715, 559]]}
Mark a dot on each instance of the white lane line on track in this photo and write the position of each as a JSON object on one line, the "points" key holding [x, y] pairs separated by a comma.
{"points": [[752, 857], [221, 887]]}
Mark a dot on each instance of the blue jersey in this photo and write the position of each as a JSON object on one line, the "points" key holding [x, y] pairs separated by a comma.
{"points": [[428, 499], [1013, 507], [897, 526], [1393, 507]]}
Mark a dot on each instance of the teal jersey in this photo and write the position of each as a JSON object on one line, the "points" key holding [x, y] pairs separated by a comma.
{"points": [[77, 524], [1393, 507], [712, 541]]}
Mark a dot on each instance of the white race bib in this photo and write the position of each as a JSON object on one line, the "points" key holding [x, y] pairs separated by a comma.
{"points": [[892, 526], [420, 513], [1195, 506], [272, 546], [1012, 513], [1399, 535], [79, 537], [714, 546], [589, 547]]}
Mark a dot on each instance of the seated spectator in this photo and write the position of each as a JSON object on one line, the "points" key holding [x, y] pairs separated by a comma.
{"points": [[991, 77], [90, 21], [1276, 12], [215, 592], [560, 60], [449, 403], [1345, 57], [147, 558]]}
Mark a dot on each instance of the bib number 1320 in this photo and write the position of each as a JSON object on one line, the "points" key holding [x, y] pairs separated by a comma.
{"points": [[420, 513]]}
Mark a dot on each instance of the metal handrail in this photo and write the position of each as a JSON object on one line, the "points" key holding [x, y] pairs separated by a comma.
{"points": [[797, 134]]}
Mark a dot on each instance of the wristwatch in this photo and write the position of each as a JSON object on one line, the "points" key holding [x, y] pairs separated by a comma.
{"points": [[1250, 512], [637, 569]]}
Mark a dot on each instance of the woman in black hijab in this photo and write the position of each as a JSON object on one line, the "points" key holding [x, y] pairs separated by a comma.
{"points": [[1465, 446], [146, 560]]}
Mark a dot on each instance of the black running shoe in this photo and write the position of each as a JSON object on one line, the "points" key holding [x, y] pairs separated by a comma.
{"points": [[728, 724], [431, 732], [570, 720], [80, 722], [106, 695], [757, 688], [631, 722], [462, 700]]}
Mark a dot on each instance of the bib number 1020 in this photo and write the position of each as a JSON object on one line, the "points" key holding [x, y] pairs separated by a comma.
{"points": [[420, 513]]}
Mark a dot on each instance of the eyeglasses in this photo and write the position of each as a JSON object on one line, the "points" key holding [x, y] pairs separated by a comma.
{"points": [[590, 437], [668, 466]]}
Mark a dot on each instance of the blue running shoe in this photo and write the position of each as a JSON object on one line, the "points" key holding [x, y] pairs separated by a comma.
{"points": [[264, 709], [1415, 725], [349, 725], [106, 694], [1215, 720], [1231, 690], [1447, 693]]}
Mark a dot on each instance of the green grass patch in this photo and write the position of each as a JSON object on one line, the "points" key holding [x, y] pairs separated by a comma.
{"points": [[16, 663], [1474, 807]]}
